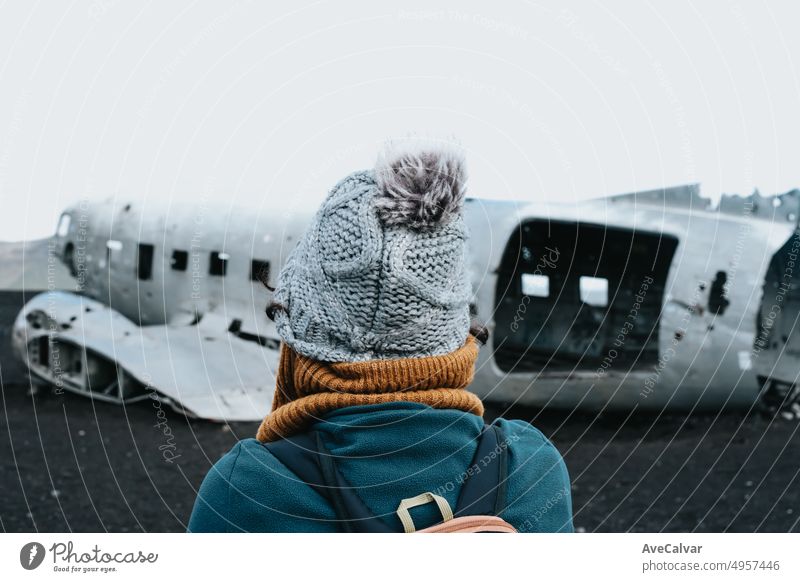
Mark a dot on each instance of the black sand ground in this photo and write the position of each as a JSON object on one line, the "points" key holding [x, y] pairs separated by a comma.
{"points": [[71, 464]]}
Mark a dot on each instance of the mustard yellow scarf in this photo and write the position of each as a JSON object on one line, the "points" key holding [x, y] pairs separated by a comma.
{"points": [[307, 389]]}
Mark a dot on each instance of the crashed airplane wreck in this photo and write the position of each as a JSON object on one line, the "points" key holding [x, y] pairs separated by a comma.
{"points": [[649, 300]]}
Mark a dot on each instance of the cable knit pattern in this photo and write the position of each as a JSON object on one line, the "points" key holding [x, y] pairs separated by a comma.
{"points": [[357, 288], [308, 389]]}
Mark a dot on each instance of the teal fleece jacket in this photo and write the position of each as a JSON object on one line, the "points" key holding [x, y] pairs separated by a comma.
{"points": [[389, 452]]}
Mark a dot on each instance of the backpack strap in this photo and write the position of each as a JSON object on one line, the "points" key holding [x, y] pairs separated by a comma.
{"points": [[483, 492], [306, 456]]}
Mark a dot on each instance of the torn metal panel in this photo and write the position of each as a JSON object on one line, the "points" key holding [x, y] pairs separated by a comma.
{"points": [[776, 348], [203, 370], [681, 275]]}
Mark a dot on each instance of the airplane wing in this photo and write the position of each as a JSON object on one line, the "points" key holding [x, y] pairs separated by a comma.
{"points": [[204, 370]]}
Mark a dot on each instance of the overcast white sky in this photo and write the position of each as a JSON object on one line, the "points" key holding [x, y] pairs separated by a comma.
{"points": [[275, 102]]}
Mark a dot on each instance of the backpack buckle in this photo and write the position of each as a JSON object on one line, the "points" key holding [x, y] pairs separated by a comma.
{"points": [[421, 499]]}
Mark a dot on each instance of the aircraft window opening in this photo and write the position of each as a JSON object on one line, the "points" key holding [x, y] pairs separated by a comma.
{"points": [[69, 259], [594, 291], [111, 246], [144, 264], [259, 270], [535, 285], [218, 263], [576, 325], [180, 260], [718, 294], [63, 225]]}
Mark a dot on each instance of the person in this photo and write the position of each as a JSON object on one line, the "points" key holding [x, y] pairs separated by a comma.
{"points": [[378, 349]]}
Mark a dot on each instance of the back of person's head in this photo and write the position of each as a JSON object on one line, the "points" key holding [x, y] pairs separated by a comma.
{"points": [[380, 273]]}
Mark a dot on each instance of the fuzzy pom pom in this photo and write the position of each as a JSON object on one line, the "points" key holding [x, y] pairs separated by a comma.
{"points": [[422, 183]]}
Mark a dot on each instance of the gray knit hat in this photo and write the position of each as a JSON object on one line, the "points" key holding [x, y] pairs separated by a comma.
{"points": [[380, 273]]}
